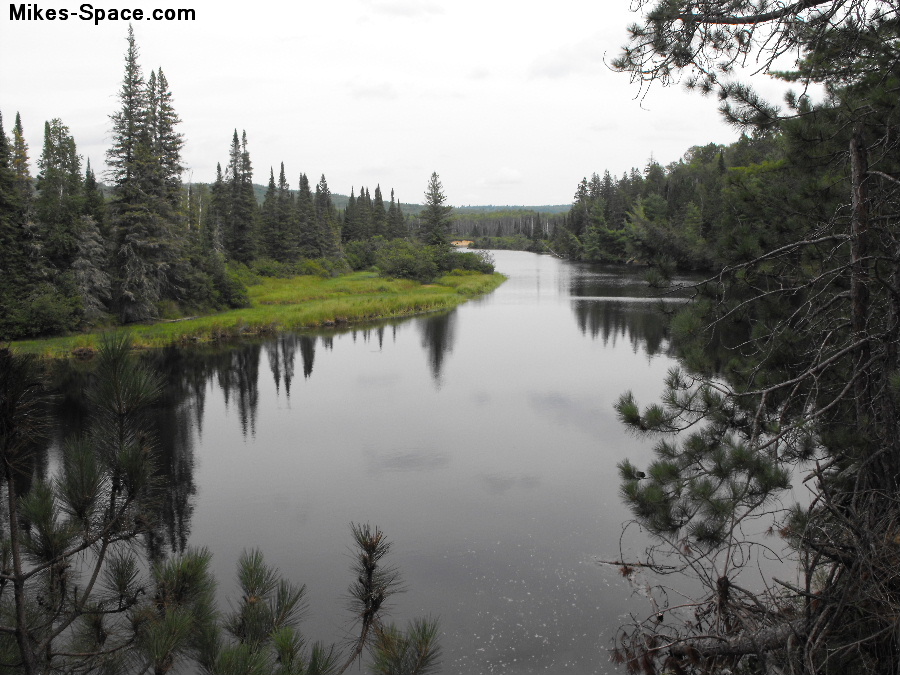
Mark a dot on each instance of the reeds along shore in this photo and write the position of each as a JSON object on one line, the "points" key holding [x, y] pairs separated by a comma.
{"points": [[292, 304]]}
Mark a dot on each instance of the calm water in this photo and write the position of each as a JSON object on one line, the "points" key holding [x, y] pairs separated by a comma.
{"points": [[482, 441]]}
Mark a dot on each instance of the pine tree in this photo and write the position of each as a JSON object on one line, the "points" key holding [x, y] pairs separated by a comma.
{"points": [[15, 279], [20, 167], [327, 235], [350, 228], [148, 249], [216, 217], [805, 385], [241, 223], [286, 219], [397, 228], [59, 203], [307, 239], [93, 201], [379, 215], [167, 142], [435, 217], [129, 123], [269, 236]]}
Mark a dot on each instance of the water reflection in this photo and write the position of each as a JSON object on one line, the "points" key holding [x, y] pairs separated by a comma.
{"points": [[281, 354], [438, 334], [496, 476], [614, 302], [308, 353], [641, 323]]}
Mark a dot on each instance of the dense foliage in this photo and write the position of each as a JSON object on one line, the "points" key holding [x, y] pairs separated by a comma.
{"points": [[678, 216], [790, 351]]}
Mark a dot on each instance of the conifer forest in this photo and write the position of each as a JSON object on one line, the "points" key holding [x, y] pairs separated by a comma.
{"points": [[776, 437]]}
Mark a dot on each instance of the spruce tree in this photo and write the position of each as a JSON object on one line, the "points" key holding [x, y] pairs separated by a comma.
{"points": [[396, 220], [167, 141], [216, 217], [379, 215], [307, 239], [93, 201], [241, 224], [59, 202], [285, 216], [129, 124], [327, 235], [24, 184], [15, 279], [269, 234], [350, 228], [435, 217], [147, 242]]}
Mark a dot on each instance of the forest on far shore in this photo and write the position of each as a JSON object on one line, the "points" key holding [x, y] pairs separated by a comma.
{"points": [[77, 254]]}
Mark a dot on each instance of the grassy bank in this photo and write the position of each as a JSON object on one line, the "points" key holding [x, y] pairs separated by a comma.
{"points": [[294, 304]]}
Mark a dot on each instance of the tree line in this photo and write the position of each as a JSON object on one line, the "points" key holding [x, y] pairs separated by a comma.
{"points": [[75, 254], [677, 215]]}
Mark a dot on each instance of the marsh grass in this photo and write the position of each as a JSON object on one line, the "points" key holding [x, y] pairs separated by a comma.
{"points": [[292, 304]]}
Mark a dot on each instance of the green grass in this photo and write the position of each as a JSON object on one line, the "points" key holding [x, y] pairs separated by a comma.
{"points": [[293, 304]]}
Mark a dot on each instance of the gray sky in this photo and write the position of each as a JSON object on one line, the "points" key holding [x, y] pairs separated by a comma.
{"points": [[510, 102]]}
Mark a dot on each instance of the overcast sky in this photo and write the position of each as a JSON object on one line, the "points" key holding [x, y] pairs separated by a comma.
{"points": [[510, 102]]}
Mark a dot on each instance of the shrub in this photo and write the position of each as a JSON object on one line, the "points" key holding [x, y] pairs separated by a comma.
{"points": [[407, 260], [481, 262], [47, 311]]}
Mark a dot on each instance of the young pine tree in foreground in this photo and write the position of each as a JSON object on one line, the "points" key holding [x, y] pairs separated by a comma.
{"points": [[79, 595]]}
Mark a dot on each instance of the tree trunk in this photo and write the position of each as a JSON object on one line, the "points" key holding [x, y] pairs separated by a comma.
{"points": [[766, 640]]}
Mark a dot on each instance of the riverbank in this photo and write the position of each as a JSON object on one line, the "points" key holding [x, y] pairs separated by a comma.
{"points": [[292, 304]]}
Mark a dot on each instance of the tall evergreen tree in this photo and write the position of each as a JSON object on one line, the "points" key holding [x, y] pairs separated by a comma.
{"points": [[147, 247], [307, 239], [216, 217], [435, 217], [269, 234], [350, 228], [241, 223], [379, 215], [286, 219], [167, 141], [129, 123], [20, 166], [14, 267], [59, 203], [93, 201], [396, 222], [327, 234]]}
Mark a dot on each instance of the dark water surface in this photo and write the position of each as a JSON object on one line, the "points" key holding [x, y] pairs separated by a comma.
{"points": [[482, 441]]}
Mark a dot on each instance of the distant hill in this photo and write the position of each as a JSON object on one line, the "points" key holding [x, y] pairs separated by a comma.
{"points": [[340, 203]]}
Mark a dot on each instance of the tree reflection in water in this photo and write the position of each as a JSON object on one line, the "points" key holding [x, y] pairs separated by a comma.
{"points": [[438, 333]]}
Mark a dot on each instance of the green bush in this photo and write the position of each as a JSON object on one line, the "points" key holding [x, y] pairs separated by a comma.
{"points": [[408, 260], [47, 311], [314, 268], [361, 254], [481, 263]]}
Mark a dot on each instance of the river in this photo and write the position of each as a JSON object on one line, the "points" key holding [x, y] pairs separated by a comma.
{"points": [[483, 441]]}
